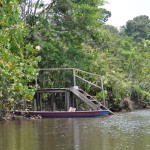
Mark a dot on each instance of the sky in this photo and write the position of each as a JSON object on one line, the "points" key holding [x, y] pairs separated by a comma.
{"points": [[124, 10]]}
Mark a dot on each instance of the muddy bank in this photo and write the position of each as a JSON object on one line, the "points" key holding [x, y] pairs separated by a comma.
{"points": [[128, 105]]}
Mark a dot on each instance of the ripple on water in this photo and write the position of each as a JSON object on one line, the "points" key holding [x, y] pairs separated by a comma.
{"points": [[131, 123]]}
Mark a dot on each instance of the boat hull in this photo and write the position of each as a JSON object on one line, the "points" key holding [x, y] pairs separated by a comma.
{"points": [[64, 114]]}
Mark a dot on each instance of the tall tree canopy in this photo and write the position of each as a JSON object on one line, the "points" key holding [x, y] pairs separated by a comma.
{"points": [[64, 28], [138, 28]]}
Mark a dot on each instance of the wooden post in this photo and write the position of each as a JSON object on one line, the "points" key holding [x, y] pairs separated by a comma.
{"points": [[35, 105], [67, 102], [71, 99], [75, 104], [37, 100], [40, 100], [103, 92]]}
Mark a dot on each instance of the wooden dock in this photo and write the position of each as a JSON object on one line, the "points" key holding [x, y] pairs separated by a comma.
{"points": [[64, 98], [68, 96]]}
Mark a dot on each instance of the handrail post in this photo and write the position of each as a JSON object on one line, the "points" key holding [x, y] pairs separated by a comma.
{"points": [[74, 77]]}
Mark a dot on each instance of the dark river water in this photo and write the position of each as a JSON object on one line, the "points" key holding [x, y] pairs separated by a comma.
{"points": [[125, 131]]}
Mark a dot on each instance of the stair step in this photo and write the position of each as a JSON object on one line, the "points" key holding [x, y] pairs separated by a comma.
{"points": [[86, 94], [86, 98], [95, 101]]}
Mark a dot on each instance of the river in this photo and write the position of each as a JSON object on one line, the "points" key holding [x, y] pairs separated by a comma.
{"points": [[123, 131]]}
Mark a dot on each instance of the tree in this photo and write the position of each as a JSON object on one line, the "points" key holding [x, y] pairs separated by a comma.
{"points": [[18, 61], [124, 66], [138, 28], [62, 28]]}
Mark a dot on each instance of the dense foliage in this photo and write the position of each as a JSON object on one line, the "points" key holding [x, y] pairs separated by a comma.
{"points": [[138, 28], [72, 33], [18, 60]]}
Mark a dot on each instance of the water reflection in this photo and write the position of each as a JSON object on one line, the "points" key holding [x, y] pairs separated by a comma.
{"points": [[119, 132]]}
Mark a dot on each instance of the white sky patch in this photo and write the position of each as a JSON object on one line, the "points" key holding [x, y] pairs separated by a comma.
{"points": [[124, 10]]}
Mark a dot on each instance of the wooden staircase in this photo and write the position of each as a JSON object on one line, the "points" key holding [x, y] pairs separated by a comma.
{"points": [[88, 99]]}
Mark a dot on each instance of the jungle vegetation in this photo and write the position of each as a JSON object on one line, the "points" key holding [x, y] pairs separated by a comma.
{"points": [[71, 33]]}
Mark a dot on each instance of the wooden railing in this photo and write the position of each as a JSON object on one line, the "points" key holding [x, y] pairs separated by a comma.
{"points": [[75, 75]]}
